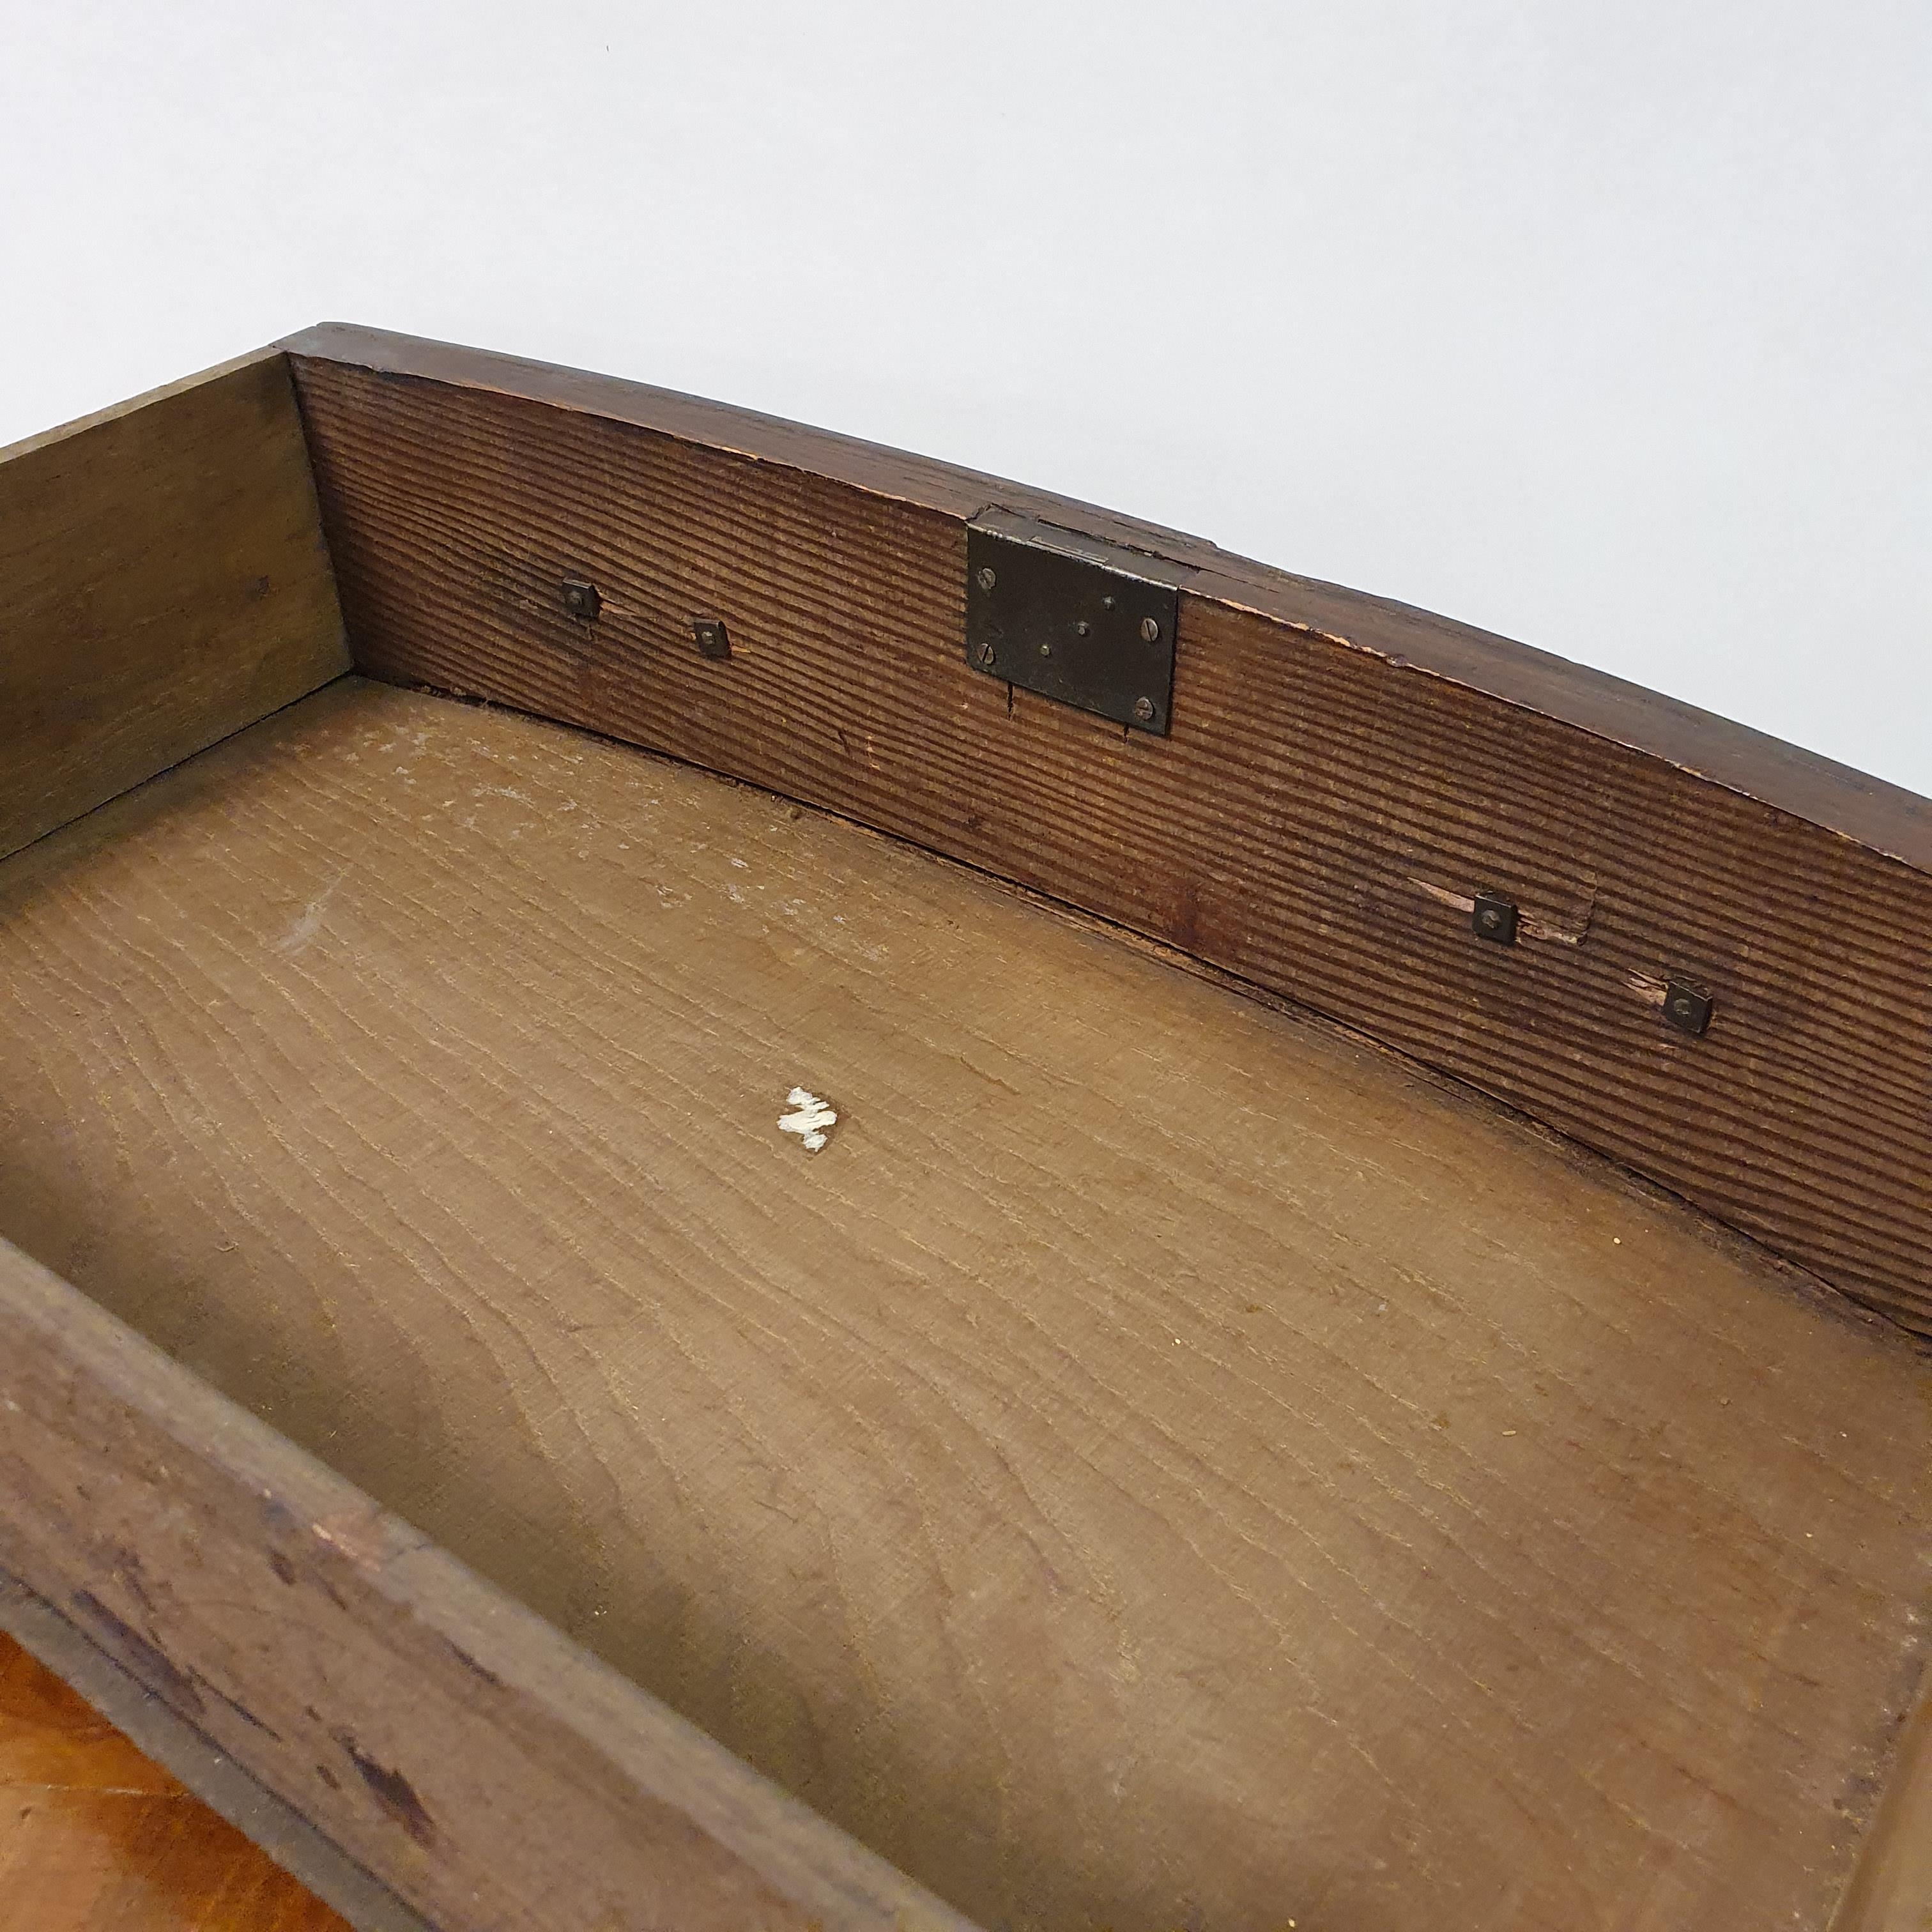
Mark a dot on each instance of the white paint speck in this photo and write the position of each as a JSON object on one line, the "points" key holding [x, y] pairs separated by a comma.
{"points": [[809, 1119]]}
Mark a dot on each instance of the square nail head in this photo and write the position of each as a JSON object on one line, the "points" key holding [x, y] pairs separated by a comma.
{"points": [[1494, 919], [1686, 1009]]}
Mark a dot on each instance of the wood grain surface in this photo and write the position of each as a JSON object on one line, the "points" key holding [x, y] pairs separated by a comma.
{"points": [[434, 1734], [1343, 775], [1163, 1464], [162, 583], [94, 1837]]}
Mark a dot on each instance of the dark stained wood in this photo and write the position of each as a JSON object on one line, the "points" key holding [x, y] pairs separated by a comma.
{"points": [[1162, 1463], [162, 583], [1344, 775], [452, 1744], [95, 1838], [1862, 808]]}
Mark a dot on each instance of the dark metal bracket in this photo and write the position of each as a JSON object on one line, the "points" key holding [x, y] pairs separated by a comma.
{"points": [[1090, 623]]}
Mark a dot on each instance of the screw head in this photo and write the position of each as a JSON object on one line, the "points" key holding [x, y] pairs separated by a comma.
{"points": [[1150, 630], [986, 656], [1081, 628], [1490, 918], [1046, 650], [1144, 709], [987, 579], [1106, 603]]}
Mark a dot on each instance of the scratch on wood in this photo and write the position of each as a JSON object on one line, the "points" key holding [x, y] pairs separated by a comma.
{"points": [[1529, 926], [295, 940], [142, 1656], [358, 1534], [1456, 901]]}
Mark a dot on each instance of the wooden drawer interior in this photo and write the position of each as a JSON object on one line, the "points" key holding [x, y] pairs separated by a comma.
{"points": [[1167, 1461]]}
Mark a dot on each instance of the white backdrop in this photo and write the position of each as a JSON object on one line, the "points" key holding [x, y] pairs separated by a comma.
{"points": [[1606, 326]]}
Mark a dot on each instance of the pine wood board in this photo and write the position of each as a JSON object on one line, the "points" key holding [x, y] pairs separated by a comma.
{"points": [[1343, 775], [1164, 1463], [163, 582]]}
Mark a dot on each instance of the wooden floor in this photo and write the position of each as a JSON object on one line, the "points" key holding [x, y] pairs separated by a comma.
{"points": [[1161, 1465], [95, 1838]]}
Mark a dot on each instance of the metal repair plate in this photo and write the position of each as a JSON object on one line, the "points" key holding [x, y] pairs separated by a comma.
{"points": [[1090, 623]]}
